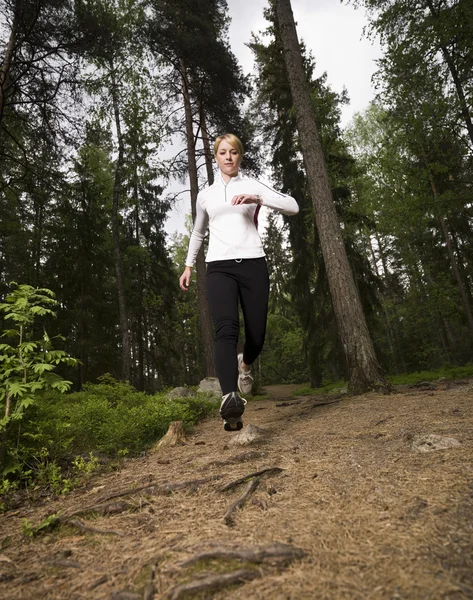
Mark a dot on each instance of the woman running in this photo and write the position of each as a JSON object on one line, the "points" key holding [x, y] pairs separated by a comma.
{"points": [[236, 269]]}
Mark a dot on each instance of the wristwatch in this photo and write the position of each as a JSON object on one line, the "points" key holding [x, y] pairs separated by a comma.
{"points": [[260, 199]]}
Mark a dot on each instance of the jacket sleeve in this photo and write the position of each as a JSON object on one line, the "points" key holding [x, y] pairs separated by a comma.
{"points": [[198, 234], [276, 200]]}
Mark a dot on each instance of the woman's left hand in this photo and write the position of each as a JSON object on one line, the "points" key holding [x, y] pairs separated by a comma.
{"points": [[246, 199]]}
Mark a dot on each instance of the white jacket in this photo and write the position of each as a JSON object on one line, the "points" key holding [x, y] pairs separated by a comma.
{"points": [[233, 229]]}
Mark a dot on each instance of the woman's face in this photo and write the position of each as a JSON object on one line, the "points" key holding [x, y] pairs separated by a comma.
{"points": [[228, 159]]}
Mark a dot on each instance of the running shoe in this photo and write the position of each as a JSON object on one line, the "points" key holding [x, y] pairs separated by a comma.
{"points": [[245, 380], [231, 409], [233, 425]]}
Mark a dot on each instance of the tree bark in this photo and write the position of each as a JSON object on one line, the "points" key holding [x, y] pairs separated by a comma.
{"points": [[4, 434], [206, 328], [6, 65], [123, 317], [207, 148], [175, 436], [140, 377], [363, 367]]}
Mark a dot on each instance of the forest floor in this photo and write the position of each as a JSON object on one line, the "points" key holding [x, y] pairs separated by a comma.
{"points": [[358, 503]]}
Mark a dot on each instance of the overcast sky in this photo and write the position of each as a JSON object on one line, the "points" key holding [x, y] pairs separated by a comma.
{"points": [[332, 31]]}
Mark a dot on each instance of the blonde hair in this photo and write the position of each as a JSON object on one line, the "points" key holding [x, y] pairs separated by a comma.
{"points": [[232, 139]]}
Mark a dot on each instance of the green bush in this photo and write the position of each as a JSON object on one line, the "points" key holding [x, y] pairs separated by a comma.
{"points": [[110, 418]]}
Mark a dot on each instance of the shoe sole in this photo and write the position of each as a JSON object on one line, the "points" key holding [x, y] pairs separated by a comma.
{"points": [[233, 413], [233, 425]]}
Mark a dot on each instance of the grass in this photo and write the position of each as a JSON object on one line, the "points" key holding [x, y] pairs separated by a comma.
{"points": [[306, 390], [257, 397], [401, 379], [446, 372]]}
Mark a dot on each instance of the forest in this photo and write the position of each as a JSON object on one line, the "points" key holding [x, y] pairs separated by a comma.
{"points": [[105, 105]]}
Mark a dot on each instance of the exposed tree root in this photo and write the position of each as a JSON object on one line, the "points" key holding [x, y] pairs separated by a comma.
{"points": [[273, 553], [69, 564], [155, 489], [251, 455], [212, 582], [104, 509], [237, 482], [98, 582], [239, 502], [316, 404], [83, 527], [307, 410]]}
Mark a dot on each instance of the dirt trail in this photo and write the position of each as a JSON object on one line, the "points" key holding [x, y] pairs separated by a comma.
{"points": [[357, 511]]}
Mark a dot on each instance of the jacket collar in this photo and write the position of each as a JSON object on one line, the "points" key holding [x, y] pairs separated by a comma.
{"points": [[238, 177]]}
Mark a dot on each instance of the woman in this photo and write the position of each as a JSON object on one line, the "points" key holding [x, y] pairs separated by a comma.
{"points": [[236, 269]]}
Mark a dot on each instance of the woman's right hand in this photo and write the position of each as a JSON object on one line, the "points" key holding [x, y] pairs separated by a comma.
{"points": [[185, 279]]}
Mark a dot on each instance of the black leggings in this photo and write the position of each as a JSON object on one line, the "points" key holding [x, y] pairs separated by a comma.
{"points": [[227, 281]]}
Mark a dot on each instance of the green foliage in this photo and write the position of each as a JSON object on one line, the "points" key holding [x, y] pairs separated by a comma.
{"points": [[422, 322], [307, 390], [47, 473], [7, 492], [27, 365], [110, 418], [446, 372], [62, 437], [30, 530], [283, 358]]}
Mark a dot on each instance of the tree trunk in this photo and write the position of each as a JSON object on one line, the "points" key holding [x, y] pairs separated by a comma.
{"points": [[456, 79], [374, 260], [458, 278], [6, 64], [461, 258], [4, 434], [207, 148], [206, 328], [125, 371], [451, 254], [363, 368], [140, 378]]}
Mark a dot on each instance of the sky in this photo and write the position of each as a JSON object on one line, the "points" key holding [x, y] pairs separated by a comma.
{"points": [[332, 31]]}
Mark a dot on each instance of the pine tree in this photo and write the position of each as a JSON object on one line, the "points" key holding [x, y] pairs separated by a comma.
{"points": [[190, 38], [364, 370]]}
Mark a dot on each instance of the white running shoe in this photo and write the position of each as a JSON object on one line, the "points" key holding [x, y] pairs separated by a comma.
{"points": [[231, 410], [245, 380]]}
